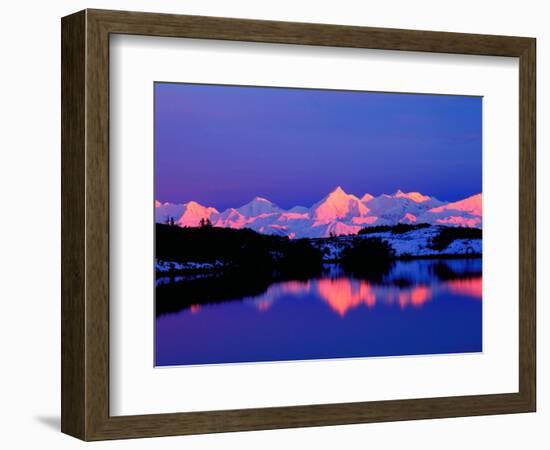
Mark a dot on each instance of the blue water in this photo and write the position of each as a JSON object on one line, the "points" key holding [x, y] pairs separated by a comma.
{"points": [[417, 307]]}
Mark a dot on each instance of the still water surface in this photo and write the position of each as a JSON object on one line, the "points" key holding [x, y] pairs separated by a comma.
{"points": [[417, 307]]}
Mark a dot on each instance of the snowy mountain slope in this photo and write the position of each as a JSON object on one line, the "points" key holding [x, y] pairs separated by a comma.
{"points": [[339, 213], [466, 213], [186, 214], [472, 205], [414, 196], [166, 211], [401, 207], [258, 206], [231, 218], [338, 206], [367, 197], [298, 209], [193, 212]]}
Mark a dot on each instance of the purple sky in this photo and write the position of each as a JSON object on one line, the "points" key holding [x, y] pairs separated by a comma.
{"points": [[224, 145]]}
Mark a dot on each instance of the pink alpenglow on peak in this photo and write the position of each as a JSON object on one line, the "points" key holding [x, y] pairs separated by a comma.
{"points": [[338, 205], [231, 218], [339, 213], [414, 196], [463, 213], [194, 212], [472, 205], [367, 198], [409, 218]]}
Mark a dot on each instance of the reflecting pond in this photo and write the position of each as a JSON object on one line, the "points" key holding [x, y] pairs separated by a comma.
{"points": [[424, 306]]}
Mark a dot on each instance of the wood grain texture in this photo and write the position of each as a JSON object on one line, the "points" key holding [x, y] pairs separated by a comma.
{"points": [[97, 226], [73, 108], [527, 223], [152, 24], [85, 224]]}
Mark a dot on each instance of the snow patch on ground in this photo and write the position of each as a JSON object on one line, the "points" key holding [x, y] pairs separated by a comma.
{"points": [[172, 266], [413, 243]]}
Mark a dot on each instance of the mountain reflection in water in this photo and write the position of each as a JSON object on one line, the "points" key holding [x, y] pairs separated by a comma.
{"points": [[417, 307]]}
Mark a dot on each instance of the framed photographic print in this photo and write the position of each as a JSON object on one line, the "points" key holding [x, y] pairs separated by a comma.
{"points": [[271, 224]]}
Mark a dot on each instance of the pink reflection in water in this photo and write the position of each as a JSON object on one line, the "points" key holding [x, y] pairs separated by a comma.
{"points": [[264, 303], [345, 294], [471, 287]]}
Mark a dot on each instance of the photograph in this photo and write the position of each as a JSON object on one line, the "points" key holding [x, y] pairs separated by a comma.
{"points": [[308, 224], [268, 221]]}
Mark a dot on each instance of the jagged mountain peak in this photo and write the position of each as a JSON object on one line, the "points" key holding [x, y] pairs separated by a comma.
{"points": [[196, 206], [336, 194], [258, 206], [338, 190], [261, 199], [472, 204], [338, 205], [367, 198], [337, 213], [414, 196]]}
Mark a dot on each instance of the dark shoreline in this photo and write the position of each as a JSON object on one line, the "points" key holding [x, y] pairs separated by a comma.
{"points": [[229, 268], [183, 290], [207, 249]]}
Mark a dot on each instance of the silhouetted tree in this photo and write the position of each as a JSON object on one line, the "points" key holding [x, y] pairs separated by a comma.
{"points": [[205, 223], [399, 228], [449, 234], [369, 258]]}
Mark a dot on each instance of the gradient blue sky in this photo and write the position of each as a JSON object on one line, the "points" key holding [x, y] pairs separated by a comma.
{"points": [[223, 145]]}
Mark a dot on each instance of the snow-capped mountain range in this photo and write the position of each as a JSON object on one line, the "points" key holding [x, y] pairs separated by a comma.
{"points": [[337, 214]]}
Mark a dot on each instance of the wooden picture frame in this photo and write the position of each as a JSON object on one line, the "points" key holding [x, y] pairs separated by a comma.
{"points": [[85, 224]]}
